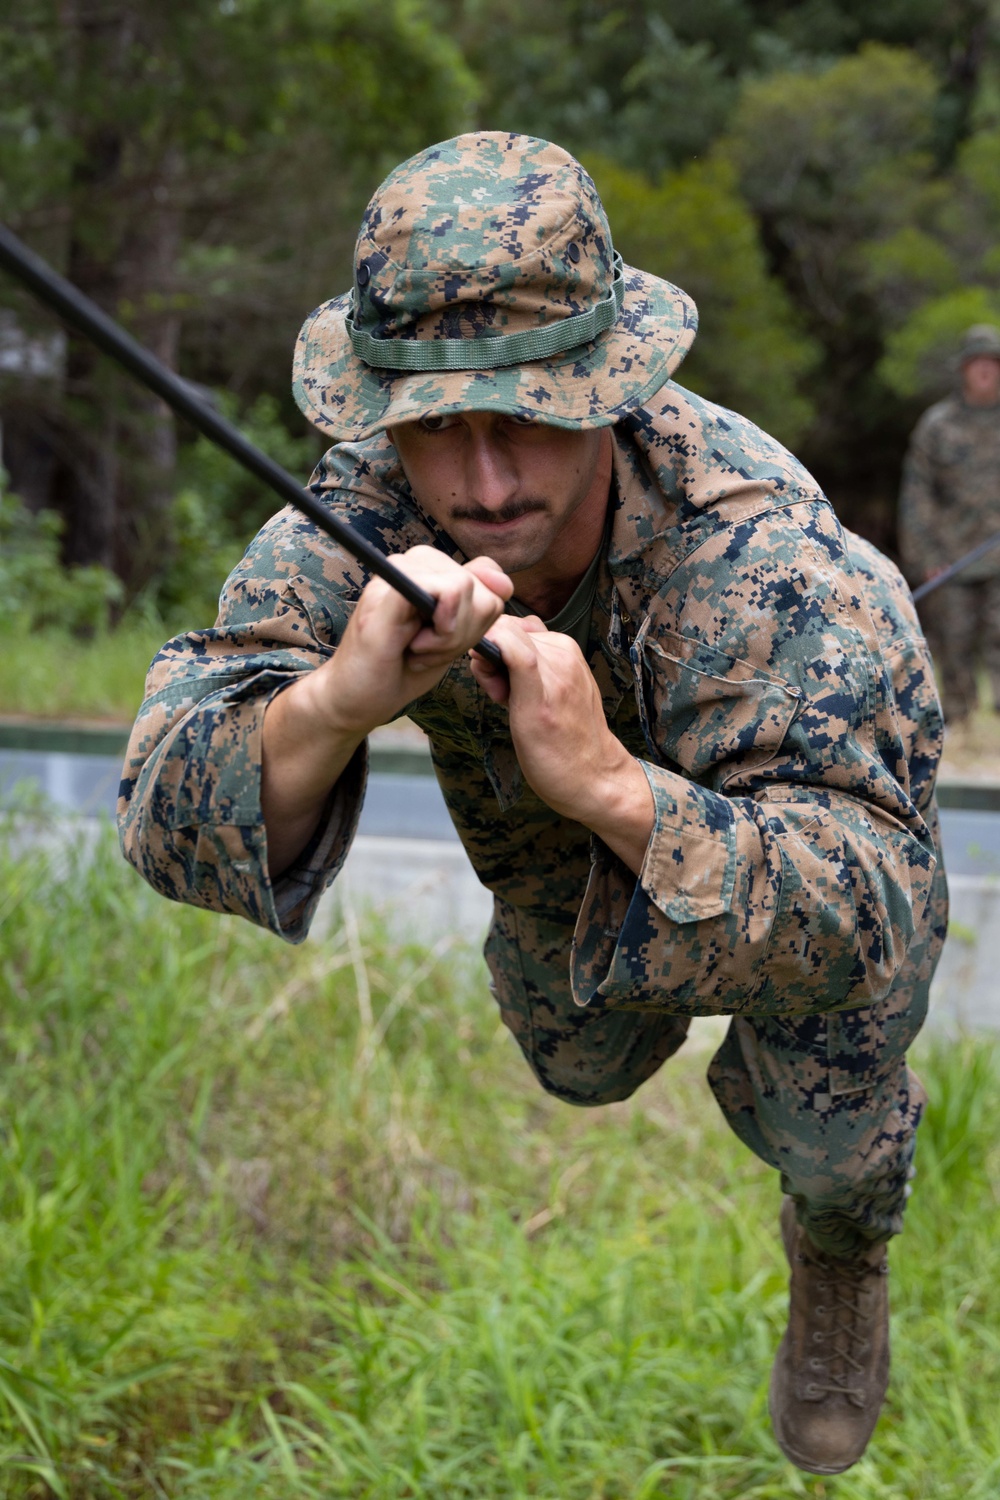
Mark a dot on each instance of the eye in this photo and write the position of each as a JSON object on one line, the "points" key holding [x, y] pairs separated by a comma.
{"points": [[522, 421], [435, 423]]}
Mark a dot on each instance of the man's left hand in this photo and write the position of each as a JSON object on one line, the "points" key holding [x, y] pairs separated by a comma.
{"points": [[565, 748]]}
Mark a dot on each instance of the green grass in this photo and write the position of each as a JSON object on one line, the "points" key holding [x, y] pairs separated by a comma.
{"points": [[50, 674], [297, 1223]]}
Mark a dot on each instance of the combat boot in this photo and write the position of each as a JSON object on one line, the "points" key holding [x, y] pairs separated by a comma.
{"points": [[832, 1366]]}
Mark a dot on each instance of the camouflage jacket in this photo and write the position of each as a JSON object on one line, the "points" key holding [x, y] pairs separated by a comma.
{"points": [[791, 758], [950, 496]]}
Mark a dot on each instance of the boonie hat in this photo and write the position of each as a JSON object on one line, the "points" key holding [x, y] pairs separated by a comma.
{"points": [[485, 279], [981, 338]]}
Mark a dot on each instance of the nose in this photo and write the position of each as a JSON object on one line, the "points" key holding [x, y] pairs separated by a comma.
{"points": [[490, 473]]}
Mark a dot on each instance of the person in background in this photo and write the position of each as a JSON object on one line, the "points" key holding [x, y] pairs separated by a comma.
{"points": [[949, 503]]}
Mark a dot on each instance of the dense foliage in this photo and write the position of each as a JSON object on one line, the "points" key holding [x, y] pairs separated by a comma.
{"points": [[823, 178]]}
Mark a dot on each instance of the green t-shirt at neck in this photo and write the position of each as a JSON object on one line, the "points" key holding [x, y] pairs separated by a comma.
{"points": [[574, 617]]}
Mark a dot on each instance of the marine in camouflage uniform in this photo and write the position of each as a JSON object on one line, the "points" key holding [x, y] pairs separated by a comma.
{"points": [[768, 674], [949, 503]]}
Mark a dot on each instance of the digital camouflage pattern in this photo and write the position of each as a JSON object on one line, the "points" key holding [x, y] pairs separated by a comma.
{"points": [[962, 621], [490, 234], [949, 503], [783, 708], [829, 1100], [950, 496]]}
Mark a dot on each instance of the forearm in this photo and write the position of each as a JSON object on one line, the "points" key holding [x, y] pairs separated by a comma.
{"points": [[304, 753], [567, 753], [189, 811], [618, 807], [218, 794], [387, 658]]}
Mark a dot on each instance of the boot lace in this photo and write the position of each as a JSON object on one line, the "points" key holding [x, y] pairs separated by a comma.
{"points": [[840, 1369]]}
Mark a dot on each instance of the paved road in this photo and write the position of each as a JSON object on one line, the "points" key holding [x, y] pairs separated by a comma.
{"points": [[402, 806], [397, 806]]}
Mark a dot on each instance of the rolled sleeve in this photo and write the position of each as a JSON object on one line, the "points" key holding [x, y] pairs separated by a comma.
{"points": [[297, 892], [190, 818], [189, 810], [689, 871]]}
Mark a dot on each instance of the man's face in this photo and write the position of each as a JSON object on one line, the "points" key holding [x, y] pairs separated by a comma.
{"points": [[981, 380], [518, 491]]}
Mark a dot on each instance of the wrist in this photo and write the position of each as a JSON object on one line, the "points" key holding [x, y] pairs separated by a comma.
{"points": [[304, 753], [622, 812], [326, 712], [603, 797]]}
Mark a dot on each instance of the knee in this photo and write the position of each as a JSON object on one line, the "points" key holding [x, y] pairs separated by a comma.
{"points": [[604, 1063], [582, 1087]]}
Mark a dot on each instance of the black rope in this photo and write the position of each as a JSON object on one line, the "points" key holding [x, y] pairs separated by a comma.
{"points": [[947, 574], [75, 308]]}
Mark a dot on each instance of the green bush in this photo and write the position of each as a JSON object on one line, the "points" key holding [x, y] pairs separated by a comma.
{"points": [[36, 591], [694, 229], [52, 674], [921, 357]]}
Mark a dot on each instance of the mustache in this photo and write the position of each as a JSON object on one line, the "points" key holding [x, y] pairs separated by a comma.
{"points": [[512, 511]]}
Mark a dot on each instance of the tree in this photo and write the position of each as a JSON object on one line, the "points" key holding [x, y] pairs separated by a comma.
{"points": [[583, 73], [934, 280], [833, 162], [694, 229], [653, 82], [954, 37], [203, 166]]}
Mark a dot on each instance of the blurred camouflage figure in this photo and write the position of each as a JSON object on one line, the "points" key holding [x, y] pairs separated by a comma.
{"points": [[707, 788], [949, 503]]}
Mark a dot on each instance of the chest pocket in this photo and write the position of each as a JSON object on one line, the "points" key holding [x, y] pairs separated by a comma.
{"points": [[703, 708]]}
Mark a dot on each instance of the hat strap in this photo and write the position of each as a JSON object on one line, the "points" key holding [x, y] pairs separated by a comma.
{"points": [[496, 350]]}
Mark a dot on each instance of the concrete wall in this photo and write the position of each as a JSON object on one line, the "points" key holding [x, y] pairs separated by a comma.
{"points": [[966, 990], [426, 888]]}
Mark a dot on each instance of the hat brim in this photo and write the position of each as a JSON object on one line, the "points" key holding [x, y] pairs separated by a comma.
{"points": [[590, 386]]}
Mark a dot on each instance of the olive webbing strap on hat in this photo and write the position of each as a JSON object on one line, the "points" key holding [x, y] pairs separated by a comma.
{"points": [[491, 351], [75, 308]]}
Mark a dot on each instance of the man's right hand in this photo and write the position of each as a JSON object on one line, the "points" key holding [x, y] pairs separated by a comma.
{"points": [[387, 658]]}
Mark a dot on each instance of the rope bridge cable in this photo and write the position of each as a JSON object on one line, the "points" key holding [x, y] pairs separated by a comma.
{"points": [[947, 574], [77, 309]]}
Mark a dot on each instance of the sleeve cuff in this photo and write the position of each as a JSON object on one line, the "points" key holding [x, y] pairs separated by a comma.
{"points": [[637, 943], [689, 871], [191, 820]]}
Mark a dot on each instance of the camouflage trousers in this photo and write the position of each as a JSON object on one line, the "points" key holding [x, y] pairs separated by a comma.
{"points": [[962, 622], [825, 1099]]}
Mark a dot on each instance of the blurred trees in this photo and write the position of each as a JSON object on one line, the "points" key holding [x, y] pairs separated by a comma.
{"points": [[850, 129], [824, 179], [197, 168], [654, 81], [834, 164], [941, 273], [693, 228]]}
